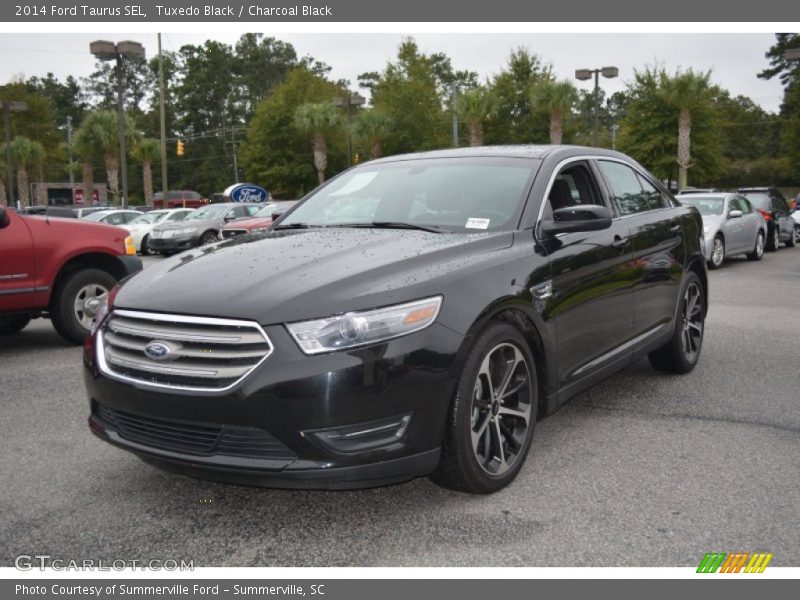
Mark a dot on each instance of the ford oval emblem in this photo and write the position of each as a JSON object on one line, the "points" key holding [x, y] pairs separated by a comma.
{"points": [[247, 192], [157, 350]]}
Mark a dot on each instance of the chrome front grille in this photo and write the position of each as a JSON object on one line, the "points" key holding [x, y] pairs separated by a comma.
{"points": [[194, 353]]}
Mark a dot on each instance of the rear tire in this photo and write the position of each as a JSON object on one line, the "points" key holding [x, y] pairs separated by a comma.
{"points": [[774, 240], [13, 324], [681, 353], [490, 424], [758, 249], [69, 310]]}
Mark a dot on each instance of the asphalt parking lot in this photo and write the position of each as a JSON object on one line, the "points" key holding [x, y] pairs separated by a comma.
{"points": [[643, 470]]}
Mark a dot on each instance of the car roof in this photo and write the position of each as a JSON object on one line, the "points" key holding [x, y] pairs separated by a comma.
{"points": [[517, 151]]}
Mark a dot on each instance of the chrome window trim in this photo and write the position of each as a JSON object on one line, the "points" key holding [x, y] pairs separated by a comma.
{"points": [[107, 371], [584, 157]]}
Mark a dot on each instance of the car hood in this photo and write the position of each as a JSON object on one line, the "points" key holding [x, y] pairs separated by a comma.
{"points": [[251, 223], [290, 275]]}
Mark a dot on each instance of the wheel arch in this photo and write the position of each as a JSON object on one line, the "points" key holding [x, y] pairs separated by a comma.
{"points": [[517, 314], [91, 260]]}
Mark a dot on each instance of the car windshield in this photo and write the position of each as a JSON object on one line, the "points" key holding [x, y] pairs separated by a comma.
{"points": [[456, 194], [759, 200], [149, 218], [95, 216], [208, 212], [707, 205]]}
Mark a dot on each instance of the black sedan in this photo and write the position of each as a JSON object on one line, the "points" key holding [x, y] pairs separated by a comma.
{"points": [[414, 316]]}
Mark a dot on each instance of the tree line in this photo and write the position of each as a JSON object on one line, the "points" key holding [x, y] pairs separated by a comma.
{"points": [[258, 108]]}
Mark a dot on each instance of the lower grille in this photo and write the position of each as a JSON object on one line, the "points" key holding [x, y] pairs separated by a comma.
{"points": [[201, 439], [229, 233], [180, 352]]}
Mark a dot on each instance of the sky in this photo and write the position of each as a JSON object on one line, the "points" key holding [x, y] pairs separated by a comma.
{"points": [[734, 58]]}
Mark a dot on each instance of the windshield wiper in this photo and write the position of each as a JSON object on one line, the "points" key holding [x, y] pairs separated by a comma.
{"points": [[394, 225], [295, 226]]}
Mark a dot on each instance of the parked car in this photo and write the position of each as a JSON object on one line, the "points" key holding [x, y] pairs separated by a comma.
{"points": [[730, 226], [259, 222], [113, 217], [82, 211], [59, 268], [179, 199], [487, 286], [141, 227], [773, 207], [199, 228]]}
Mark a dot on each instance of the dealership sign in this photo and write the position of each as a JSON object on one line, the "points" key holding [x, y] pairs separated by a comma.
{"points": [[246, 192]]}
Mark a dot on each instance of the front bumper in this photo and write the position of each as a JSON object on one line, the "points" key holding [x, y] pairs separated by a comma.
{"points": [[173, 244], [290, 398]]}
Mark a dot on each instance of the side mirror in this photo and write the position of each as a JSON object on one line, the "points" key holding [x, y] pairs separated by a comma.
{"points": [[4, 218], [735, 214], [572, 219], [228, 218]]}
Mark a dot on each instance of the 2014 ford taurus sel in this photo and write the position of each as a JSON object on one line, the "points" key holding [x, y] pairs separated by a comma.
{"points": [[414, 316]]}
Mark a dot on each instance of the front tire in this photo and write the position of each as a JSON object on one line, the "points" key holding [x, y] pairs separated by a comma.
{"points": [[681, 353], [73, 303], [758, 249], [209, 237], [490, 424], [13, 324], [717, 253], [144, 249], [792, 241]]}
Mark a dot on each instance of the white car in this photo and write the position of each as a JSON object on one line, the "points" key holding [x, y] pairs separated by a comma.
{"points": [[115, 216], [141, 227]]}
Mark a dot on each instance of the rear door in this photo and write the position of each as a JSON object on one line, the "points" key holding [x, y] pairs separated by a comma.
{"points": [[591, 302], [783, 215], [17, 264], [654, 220]]}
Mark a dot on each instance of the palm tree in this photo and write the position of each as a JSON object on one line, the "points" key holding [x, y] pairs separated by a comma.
{"points": [[556, 98], [147, 151], [102, 127], [83, 144], [318, 120], [685, 92], [25, 153], [372, 127], [474, 107]]}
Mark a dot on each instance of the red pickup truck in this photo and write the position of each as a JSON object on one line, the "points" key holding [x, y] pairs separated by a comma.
{"points": [[59, 268]]}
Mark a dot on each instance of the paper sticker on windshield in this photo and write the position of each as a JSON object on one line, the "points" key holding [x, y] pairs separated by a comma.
{"points": [[473, 223]]}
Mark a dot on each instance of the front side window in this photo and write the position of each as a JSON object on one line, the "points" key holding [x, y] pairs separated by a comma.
{"points": [[453, 194], [627, 190], [573, 186]]}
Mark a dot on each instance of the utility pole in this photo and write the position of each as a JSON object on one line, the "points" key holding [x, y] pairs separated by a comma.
{"points": [[162, 94], [69, 154], [453, 98]]}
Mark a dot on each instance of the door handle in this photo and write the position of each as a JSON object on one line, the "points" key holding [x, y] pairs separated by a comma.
{"points": [[619, 242]]}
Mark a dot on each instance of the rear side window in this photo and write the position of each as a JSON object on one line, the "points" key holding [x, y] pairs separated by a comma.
{"points": [[627, 190], [779, 204]]}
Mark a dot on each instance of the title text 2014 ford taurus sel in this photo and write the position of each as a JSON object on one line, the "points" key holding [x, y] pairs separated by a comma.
{"points": [[415, 315]]}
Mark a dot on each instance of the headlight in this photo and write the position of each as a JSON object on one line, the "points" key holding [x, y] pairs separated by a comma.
{"points": [[185, 230], [359, 328], [258, 230]]}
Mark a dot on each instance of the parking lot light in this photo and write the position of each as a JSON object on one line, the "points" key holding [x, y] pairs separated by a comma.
{"points": [[585, 75]]}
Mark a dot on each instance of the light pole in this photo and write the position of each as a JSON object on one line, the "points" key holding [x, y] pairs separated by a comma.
{"points": [[104, 50], [10, 106], [350, 101], [584, 75]]}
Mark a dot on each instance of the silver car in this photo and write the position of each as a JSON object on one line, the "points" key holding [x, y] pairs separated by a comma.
{"points": [[730, 226]]}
